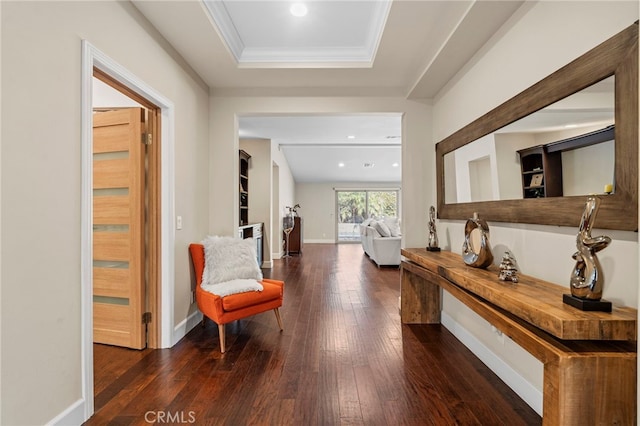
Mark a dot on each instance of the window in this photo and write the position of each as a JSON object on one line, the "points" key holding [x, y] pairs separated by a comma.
{"points": [[353, 207]]}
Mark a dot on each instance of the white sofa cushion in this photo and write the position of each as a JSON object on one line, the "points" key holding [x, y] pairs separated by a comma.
{"points": [[363, 226], [394, 225], [382, 228]]}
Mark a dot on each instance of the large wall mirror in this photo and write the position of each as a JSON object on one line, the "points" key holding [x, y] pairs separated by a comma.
{"points": [[534, 158]]}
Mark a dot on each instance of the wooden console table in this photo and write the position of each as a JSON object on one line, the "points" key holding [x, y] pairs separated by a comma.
{"points": [[589, 358]]}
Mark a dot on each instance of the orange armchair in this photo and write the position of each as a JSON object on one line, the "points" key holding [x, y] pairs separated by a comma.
{"points": [[222, 310]]}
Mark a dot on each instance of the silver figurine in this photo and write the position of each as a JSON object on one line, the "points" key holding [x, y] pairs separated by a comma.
{"points": [[433, 235], [508, 268], [587, 280]]}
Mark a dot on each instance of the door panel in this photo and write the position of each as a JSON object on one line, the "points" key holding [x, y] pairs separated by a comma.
{"points": [[112, 173], [111, 322], [111, 210], [118, 233], [111, 282], [109, 245]]}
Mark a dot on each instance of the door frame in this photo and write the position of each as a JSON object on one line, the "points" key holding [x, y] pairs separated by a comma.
{"points": [[94, 58]]}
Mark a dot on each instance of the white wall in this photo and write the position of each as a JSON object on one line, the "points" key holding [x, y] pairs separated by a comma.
{"points": [[479, 149], [540, 38], [285, 197], [417, 154], [105, 96], [41, 186], [587, 170], [509, 170]]}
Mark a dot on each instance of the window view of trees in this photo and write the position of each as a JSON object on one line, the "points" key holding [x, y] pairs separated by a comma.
{"points": [[352, 206], [382, 204], [356, 206]]}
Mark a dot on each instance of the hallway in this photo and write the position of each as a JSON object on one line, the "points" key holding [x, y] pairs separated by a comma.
{"points": [[343, 358]]}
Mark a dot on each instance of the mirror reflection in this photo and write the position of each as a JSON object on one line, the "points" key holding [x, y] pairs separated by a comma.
{"points": [[564, 149]]}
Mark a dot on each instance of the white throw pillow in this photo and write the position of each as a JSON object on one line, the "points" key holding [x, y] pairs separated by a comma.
{"points": [[227, 258], [382, 228], [233, 287], [394, 225], [371, 231]]}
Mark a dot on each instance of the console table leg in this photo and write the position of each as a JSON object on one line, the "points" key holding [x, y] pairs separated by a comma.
{"points": [[590, 390], [419, 299]]}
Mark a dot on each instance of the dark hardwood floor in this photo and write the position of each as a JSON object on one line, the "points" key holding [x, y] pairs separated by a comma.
{"points": [[343, 358]]}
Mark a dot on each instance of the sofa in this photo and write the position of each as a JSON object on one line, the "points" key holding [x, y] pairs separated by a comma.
{"points": [[381, 240]]}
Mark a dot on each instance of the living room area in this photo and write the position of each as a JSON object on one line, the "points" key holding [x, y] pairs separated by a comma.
{"points": [[339, 170]]}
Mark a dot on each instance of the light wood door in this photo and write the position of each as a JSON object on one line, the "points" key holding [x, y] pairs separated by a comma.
{"points": [[119, 228]]}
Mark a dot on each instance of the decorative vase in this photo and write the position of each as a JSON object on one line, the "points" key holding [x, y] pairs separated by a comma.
{"points": [[476, 230]]}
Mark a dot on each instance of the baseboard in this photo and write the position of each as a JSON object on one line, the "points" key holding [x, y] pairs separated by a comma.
{"points": [[185, 326], [267, 265], [73, 415], [319, 242], [525, 390]]}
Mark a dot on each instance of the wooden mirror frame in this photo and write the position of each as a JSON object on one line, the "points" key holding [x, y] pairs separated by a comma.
{"points": [[617, 56]]}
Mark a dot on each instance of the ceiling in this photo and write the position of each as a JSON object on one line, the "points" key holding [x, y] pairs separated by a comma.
{"points": [[404, 48], [334, 148]]}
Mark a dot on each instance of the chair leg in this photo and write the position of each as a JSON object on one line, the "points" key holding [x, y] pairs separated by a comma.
{"points": [[221, 333], [277, 312]]}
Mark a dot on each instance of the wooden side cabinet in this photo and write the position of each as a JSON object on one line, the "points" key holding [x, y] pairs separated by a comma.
{"points": [[295, 239]]}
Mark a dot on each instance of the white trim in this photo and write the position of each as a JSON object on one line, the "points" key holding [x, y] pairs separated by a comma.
{"points": [[322, 241], [284, 57], [219, 16], [267, 265], [525, 390], [92, 57], [186, 325], [73, 415]]}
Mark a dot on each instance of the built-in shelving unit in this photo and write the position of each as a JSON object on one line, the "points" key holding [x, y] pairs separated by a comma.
{"points": [[542, 165], [244, 187], [541, 172]]}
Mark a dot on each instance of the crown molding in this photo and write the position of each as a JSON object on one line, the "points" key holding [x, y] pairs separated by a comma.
{"points": [[323, 57]]}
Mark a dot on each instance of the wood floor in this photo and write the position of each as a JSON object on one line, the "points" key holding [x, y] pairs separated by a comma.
{"points": [[343, 358]]}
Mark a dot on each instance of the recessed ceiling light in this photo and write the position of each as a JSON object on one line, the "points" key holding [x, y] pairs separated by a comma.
{"points": [[395, 165], [340, 164], [298, 9], [570, 126], [351, 137]]}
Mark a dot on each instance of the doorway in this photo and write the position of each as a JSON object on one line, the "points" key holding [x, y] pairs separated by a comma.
{"points": [[125, 216], [160, 179]]}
